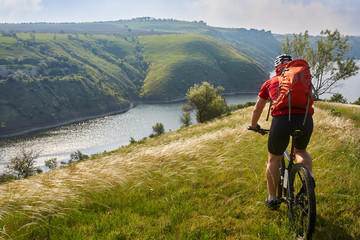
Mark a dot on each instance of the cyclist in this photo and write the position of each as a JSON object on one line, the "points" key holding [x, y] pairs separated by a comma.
{"points": [[280, 130]]}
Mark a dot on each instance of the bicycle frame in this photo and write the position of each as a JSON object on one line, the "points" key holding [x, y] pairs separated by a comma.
{"points": [[284, 177]]}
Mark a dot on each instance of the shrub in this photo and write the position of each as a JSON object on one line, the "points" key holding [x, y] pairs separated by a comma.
{"points": [[335, 112], [5, 177], [77, 156], [158, 129], [234, 107], [185, 119], [132, 140], [51, 163]]}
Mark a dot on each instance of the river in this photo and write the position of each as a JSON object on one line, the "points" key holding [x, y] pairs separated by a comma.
{"points": [[101, 134]]}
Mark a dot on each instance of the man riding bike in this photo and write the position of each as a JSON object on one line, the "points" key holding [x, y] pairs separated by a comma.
{"points": [[280, 131]]}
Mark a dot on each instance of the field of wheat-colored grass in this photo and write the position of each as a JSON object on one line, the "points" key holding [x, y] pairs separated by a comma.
{"points": [[217, 167]]}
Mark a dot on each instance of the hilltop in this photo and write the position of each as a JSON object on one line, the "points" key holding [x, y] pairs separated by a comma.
{"points": [[206, 181], [259, 45]]}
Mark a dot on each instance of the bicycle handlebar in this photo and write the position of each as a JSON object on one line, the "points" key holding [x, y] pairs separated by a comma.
{"points": [[259, 130]]}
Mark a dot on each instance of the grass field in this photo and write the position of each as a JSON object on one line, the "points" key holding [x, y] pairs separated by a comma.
{"points": [[202, 182], [345, 110]]}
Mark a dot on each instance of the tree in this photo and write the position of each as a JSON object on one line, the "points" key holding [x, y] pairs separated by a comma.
{"points": [[357, 102], [337, 97], [325, 57], [206, 100], [23, 164]]}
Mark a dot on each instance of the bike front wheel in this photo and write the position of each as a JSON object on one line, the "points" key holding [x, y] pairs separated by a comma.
{"points": [[302, 205]]}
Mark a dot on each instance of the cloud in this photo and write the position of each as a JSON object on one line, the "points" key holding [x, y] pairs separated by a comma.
{"points": [[280, 16], [12, 10]]}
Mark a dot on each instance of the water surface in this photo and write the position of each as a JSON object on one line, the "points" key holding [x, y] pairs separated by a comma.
{"points": [[101, 134]]}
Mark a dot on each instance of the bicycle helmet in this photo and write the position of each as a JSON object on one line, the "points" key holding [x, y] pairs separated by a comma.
{"points": [[280, 60]]}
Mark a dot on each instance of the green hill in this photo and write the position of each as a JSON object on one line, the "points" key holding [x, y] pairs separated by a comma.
{"points": [[202, 182], [259, 45], [48, 79], [178, 61]]}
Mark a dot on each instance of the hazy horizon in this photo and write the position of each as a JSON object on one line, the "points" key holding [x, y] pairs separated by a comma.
{"points": [[278, 16]]}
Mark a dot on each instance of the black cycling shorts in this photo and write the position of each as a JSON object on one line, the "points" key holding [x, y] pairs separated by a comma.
{"points": [[281, 128]]}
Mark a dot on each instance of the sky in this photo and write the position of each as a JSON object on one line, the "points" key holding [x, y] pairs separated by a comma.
{"points": [[278, 16]]}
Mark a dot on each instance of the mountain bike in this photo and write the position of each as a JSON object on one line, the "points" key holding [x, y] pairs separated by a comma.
{"points": [[296, 190]]}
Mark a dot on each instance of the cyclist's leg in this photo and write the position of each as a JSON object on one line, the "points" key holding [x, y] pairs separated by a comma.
{"points": [[273, 173], [302, 156], [279, 137]]}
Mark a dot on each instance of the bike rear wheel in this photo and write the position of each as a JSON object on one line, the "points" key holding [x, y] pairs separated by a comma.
{"points": [[302, 205]]}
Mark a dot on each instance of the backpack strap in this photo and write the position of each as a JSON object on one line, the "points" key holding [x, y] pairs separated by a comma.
{"points": [[307, 109], [267, 118], [289, 103]]}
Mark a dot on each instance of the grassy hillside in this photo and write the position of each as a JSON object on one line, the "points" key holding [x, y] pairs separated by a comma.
{"points": [[340, 109], [51, 79], [202, 182], [178, 61], [259, 45]]}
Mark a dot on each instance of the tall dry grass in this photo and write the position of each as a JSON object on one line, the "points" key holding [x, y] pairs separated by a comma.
{"points": [[43, 195], [223, 145]]}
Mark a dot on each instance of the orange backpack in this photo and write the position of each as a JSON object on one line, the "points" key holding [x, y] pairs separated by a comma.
{"points": [[295, 88]]}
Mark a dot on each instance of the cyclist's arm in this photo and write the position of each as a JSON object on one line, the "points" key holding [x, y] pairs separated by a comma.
{"points": [[259, 107]]}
